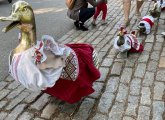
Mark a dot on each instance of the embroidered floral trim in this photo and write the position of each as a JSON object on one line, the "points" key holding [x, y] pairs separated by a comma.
{"points": [[71, 70], [38, 56], [46, 43], [134, 42]]}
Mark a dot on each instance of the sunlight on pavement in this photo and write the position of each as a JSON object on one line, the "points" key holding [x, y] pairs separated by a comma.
{"points": [[46, 10]]}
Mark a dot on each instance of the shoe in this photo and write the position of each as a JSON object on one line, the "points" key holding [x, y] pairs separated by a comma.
{"points": [[77, 25], [94, 22], [82, 27], [103, 22]]}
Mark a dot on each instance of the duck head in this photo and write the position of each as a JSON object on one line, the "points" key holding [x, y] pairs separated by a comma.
{"points": [[22, 17], [142, 28], [121, 40]]}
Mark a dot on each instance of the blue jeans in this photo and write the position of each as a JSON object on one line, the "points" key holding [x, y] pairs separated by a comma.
{"points": [[85, 14]]}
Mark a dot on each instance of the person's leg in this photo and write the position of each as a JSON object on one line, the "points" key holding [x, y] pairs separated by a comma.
{"points": [[126, 8], [98, 10], [84, 15], [104, 9], [139, 3], [76, 23]]}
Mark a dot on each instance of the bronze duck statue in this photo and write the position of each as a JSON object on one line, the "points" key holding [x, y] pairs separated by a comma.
{"points": [[63, 71], [23, 18]]}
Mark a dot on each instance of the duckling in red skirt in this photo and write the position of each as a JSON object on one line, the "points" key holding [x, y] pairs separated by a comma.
{"points": [[127, 42]]}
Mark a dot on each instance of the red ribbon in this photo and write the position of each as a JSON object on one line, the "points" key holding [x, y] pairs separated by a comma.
{"points": [[149, 21]]}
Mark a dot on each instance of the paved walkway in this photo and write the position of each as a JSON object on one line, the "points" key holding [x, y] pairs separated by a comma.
{"points": [[130, 88]]}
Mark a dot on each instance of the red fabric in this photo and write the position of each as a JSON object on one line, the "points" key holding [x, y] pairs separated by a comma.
{"points": [[101, 7], [135, 45], [73, 91], [149, 21], [163, 9], [133, 50]]}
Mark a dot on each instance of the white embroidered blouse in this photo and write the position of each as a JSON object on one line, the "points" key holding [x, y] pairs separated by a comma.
{"points": [[147, 25], [130, 41], [42, 65]]}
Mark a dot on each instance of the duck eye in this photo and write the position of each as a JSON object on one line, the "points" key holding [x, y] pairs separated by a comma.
{"points": [[24, 9]]}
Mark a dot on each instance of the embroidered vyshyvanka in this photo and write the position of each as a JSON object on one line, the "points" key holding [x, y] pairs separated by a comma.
{"points": [[131, 44], [63, 71], [148, 22], [72, 73]]}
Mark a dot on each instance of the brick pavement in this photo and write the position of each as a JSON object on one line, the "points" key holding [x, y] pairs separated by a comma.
{"points": [[130, 88]]}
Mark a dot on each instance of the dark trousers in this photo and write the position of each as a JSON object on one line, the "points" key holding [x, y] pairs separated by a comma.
{"points": [[85, 14]]}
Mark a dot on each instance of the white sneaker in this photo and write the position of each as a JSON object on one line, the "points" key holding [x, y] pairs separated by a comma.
{"points": [[103, 22]]}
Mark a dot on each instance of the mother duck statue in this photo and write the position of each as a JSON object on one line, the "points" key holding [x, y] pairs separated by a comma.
{"points": [[65, 71]]}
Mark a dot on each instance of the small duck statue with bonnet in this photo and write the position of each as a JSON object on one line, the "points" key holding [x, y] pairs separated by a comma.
{"points": [[127, 42], [147, 22], [65, 71]]}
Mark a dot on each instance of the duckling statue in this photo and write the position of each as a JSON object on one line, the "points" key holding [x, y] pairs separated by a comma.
{"points": [[161, 3], [147, 22], [63, 71], [127, 42]]}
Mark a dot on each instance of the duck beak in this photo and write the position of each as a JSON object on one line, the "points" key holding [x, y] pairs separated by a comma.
{"points": [[14, 22]]}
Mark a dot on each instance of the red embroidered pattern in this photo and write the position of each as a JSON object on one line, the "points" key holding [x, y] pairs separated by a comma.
{"points": [[134, 42], [70, 71], [38, 55]]}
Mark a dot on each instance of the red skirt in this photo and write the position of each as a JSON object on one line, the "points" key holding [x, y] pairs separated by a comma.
{"points": [[73, 91], [133, 50]]}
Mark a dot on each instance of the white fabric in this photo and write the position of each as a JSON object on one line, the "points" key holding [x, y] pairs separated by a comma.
{"points": [[143, 0], [134, 42], [56, 49], [146, 24], [125, 47], [48, 43], [130, 41], [149, 17], [162, 5], [24, 69]]}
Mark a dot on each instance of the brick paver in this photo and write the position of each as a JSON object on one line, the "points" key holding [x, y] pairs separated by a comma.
{"points": [[130, 88]]}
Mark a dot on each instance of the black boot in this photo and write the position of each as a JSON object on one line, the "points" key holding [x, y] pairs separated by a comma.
{"points": [[76, 23], [82, 27]]}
